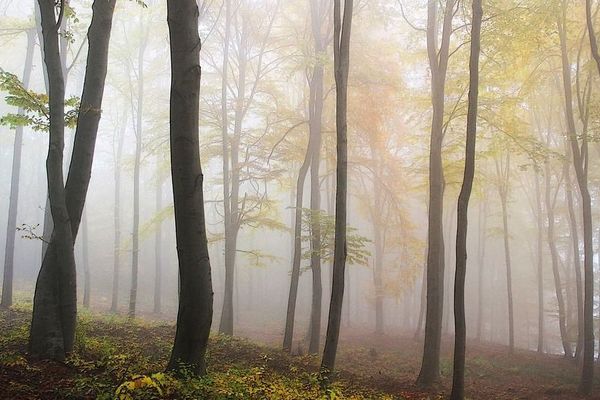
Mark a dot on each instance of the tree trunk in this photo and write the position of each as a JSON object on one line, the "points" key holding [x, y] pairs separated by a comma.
{"points": [[194, 317], [11, 227], [295, 277], [460, 328], [342, 28], [482, 221], [53, 330], [55, 306], [438, 62], [117, 218], [540, 263], [135, 237], [555, 270], [158, 247], [580, 163]]}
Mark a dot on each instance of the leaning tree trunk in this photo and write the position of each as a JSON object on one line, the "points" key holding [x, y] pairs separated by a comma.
{"points": [[52, 331], [438, 62], [460, 328], [194, 317], [341, 46], [297, 256], [11, 226]]}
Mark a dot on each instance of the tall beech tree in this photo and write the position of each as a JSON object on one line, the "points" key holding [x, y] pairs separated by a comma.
{"points": [[55, 305], [342, 24], [460, 338], [438, 64], [579, 151], [194, 317]]}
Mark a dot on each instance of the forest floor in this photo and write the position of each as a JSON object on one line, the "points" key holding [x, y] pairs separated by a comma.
{"points": [[119, 358]]}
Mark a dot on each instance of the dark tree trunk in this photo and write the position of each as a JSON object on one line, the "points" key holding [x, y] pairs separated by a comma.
{"points": [[341, 46], [55, 306], [460, 337], [295, 277], [580, 163], [438, 62], [53, 330], [11, 227], [135, 237], [194, 317]]}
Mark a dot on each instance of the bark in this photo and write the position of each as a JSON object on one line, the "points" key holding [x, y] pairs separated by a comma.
{"points": [[460, 328], [580, 160], [194, 316], [135, 237], [11, 227], [53, 330], [117, 218], [438, 62], [54, 306], [342, 28]]}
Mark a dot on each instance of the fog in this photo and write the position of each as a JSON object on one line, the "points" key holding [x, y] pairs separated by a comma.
{"points": [[526, 243]]}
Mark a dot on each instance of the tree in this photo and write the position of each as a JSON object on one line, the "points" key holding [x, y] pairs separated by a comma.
{"points": [[341, 56], [460, 338], [194, 317], [580, 163], [11, 227], [55, 305], [438, 64]]}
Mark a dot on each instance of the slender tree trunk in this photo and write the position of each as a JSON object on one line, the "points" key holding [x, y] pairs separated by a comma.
{"points": [[580, 163], [540, 263], [342, 28], [555, 269], [438, 62], [54, 306], [576, 259], [295, 277], [226, 325], [11, 227], [196, 294], [117, 218], [460, 327], [158, 248], [482, 239]]}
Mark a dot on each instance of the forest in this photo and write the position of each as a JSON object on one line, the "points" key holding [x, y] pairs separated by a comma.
{"points": [[300, 199]]}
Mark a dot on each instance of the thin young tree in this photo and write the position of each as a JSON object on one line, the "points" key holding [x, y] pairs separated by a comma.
{"points": [[460, 337], [438, 64], [342, 24], [11, 227], [194, 317]]}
